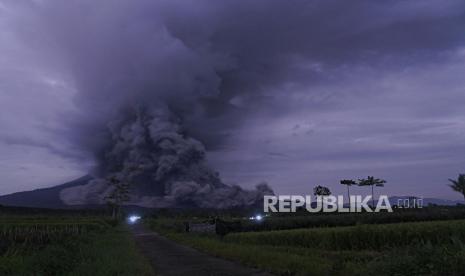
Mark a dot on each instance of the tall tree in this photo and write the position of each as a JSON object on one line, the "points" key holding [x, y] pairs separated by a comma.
{"points": [[118, 195], [372, 181], [459, 184], [348, 183]]}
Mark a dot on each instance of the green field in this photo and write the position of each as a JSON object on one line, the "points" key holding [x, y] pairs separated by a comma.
{"points": [[410, 248], [400, 243], [308, 220], [67, 245]]}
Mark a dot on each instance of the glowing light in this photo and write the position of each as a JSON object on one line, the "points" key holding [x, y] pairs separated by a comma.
{"points": [[133, 219], [257, 217]]}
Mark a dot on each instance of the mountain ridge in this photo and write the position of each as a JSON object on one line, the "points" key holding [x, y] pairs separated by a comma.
{"points": [[43, 197], [50, 197]]}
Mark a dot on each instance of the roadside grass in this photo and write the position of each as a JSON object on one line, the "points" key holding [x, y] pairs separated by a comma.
{"points": [[101, 252], [422, 248], [113, 253]]}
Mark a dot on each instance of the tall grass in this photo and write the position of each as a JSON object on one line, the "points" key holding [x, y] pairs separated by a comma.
{"points": [[374, 237], [308, 220], [420, 248], [67, 246]]}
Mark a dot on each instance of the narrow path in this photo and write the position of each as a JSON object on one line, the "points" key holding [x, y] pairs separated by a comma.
{"points": [[171, 258]]}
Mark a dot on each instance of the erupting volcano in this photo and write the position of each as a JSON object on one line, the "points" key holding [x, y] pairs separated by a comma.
{"points": [[166, 167]]}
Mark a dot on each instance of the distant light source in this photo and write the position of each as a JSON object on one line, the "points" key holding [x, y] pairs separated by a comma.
{"points": [[258, 217], [133, 219]]}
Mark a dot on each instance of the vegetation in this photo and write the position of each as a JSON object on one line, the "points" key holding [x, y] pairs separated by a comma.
{"points": [[372, 181], [348, 183], [359, 237], [422, 248], [351, 219], [118, 195], [321, 191], [459, 184], [306, 220], [67, 245]]}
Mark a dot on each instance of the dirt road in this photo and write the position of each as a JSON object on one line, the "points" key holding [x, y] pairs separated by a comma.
{"points": [[170, 258]]}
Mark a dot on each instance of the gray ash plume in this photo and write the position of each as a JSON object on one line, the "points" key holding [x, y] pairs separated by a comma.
{"points": [[164, 166]]}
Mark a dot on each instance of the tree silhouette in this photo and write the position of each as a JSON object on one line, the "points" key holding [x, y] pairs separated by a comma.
{"points": [[118, 195], [348, 183], [459, 184], [372, 181], [321, 191]]}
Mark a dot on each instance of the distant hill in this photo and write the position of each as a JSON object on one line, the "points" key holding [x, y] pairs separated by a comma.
{"points": [[427, 201], [50, 198], [42, 198]]}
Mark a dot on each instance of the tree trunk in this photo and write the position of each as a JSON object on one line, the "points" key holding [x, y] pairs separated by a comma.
{"points": [[118, 211], [113, 212], [348, 194], [372, 197]]}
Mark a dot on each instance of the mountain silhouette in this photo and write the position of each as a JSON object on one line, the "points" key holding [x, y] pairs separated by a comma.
{"points": [[42, 198]]}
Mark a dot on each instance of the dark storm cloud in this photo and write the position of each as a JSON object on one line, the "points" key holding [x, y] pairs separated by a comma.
{"points": [[228, 68]]}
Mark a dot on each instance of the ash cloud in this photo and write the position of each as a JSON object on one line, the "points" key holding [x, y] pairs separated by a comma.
{"points": [[157, 83], [165, 167], [141, 92], [214, 63]]}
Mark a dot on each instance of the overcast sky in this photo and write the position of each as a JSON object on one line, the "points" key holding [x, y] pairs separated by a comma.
{"points": [[294, 93]]}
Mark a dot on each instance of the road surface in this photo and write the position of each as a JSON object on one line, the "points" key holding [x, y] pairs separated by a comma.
{"points": [[170, 258]]}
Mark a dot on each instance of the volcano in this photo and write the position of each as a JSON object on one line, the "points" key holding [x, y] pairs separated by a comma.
{"points": [[43, 198], [161, 165]]}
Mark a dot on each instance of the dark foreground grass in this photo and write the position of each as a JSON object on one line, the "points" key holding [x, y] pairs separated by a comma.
{"points": [[107, 252], [430, 248]]}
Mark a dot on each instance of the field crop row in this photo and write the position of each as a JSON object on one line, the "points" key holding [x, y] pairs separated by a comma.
{"points": [[41, 233], [34, 245], [414, 248], [303, 220], [370, 237]]}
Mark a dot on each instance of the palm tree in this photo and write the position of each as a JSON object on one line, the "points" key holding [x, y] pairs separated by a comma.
{"points": [[459, 184], [372, 181], [348, 183]]}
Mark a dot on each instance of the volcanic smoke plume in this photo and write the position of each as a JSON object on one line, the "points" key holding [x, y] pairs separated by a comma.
{"points": [[145, 89], [166, 167], [155, 81], [150, 96]]}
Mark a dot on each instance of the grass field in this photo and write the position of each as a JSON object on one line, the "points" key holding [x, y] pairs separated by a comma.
{"points": [[414, 248], [67, 245], [402, 243], [308, 220]]}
